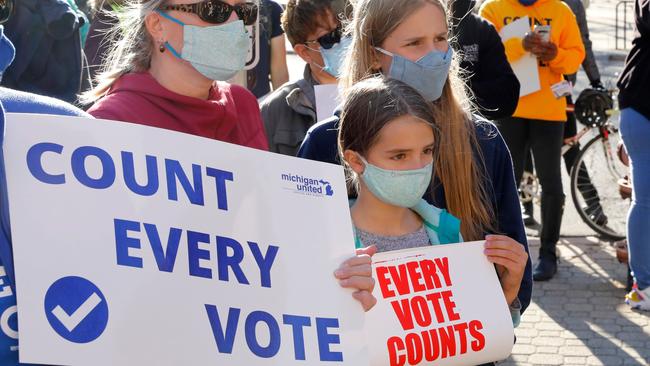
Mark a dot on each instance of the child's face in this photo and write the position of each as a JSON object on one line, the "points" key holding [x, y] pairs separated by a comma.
{"points": [[405, 143], [420, 33], [310, 52]]}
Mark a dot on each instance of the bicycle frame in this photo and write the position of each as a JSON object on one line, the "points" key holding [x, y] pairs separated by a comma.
{"points": [[604, 132]]}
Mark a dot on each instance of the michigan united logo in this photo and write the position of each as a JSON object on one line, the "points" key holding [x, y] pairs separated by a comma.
{"points": [[308, 186]]}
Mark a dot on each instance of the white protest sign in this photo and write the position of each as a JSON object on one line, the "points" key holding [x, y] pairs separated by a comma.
{"points": [[438, 305], [140, 246], [327, 99], [526, 67]]}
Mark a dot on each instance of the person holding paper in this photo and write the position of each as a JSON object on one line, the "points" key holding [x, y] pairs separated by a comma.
{"points": [[538, 121], [473, 176], [590, 67], [315, 32], [168, 65]]}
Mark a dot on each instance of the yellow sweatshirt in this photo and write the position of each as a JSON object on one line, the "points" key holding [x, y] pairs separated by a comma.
{"points": [[564, 33]]}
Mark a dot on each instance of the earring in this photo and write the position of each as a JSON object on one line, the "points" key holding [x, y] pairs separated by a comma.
{"points": [[161, 48]]}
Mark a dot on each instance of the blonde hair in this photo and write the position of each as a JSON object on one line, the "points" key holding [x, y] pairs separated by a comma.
{"points": [[131, 46], [456, 167]]}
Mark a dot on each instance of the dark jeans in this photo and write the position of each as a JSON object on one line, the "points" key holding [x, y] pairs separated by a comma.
{"points": [[544, 139]]}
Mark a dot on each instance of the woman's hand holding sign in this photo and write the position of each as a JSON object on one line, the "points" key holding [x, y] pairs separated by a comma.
{"points": [[356, 273], [510, 259]]}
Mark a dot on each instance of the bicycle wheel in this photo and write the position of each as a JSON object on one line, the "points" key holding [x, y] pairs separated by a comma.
{"points": [[594, 187]]}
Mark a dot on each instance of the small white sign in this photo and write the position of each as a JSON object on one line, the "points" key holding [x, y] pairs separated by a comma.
{"points": [[141, 246], [526, 67], [439, 305], [327, 99]]}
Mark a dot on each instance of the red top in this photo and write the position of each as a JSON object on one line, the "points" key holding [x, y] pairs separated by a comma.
{"points": [[230, 114]]}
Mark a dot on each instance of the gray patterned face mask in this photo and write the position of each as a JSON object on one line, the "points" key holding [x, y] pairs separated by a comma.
{"points": [[218, 52], [403, 188], [427, 75]]}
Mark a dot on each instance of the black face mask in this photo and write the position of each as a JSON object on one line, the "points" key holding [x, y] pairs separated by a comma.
{"points": [[6, 9]]}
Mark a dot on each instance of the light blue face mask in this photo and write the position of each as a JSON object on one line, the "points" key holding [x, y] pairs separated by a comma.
{"points": [[218, 52], [403, 188], [427, 75], [334, 56]]}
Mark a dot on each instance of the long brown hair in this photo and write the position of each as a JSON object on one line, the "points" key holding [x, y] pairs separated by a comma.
{"points": [[456, 166], [369, 106]]}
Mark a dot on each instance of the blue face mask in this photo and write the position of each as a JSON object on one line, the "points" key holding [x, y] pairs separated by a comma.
{"points": [[333, 57], [217, 52], [403, 188], [527, 2], [427, 75]]}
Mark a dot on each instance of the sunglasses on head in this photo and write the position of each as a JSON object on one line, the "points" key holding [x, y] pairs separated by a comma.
{"points": [[330, 39], [217, 12]]}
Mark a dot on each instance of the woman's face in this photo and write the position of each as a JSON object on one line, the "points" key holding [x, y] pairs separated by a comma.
{"points": [[405, 143], [420, 33]]}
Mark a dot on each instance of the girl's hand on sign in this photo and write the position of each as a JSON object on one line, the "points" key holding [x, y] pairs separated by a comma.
{"points": [[510, 260], [356, 273]]}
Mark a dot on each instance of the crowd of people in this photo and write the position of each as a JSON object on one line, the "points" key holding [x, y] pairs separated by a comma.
{"points": [[431, 128]]}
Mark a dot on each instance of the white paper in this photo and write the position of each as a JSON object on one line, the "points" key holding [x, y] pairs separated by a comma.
{"points": [[459, 275], [327, 99], [157, 317], [526, 67]]}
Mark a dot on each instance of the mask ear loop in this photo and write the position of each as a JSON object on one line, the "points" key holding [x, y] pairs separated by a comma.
{"points": [[364, 161], [321, 67], [385, 52], [166, 44], [169, 17]]}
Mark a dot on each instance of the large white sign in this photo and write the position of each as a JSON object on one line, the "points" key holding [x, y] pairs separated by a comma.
{"points": [[140, 246], [439, 305]]}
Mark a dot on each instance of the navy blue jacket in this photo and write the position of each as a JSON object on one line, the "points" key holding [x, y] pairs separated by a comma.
{"points": [[48, 49], [634, 79], [320, 144]]}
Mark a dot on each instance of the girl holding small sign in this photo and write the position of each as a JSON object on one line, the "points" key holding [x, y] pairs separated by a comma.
{"points": [[388, 140], [472, 175]]}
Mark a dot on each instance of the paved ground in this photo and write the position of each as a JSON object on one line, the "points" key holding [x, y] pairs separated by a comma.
{"points": [[579, 318]]}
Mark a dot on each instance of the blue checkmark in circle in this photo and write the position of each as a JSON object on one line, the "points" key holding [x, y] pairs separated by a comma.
{"points": [[76, 309]]}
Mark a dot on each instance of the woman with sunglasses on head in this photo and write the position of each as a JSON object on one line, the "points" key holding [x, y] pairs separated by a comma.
{"points": [[408, 40], [168, 65]]}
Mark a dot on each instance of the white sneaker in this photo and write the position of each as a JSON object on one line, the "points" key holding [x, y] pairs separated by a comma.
{"points": [[638, 299]]}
